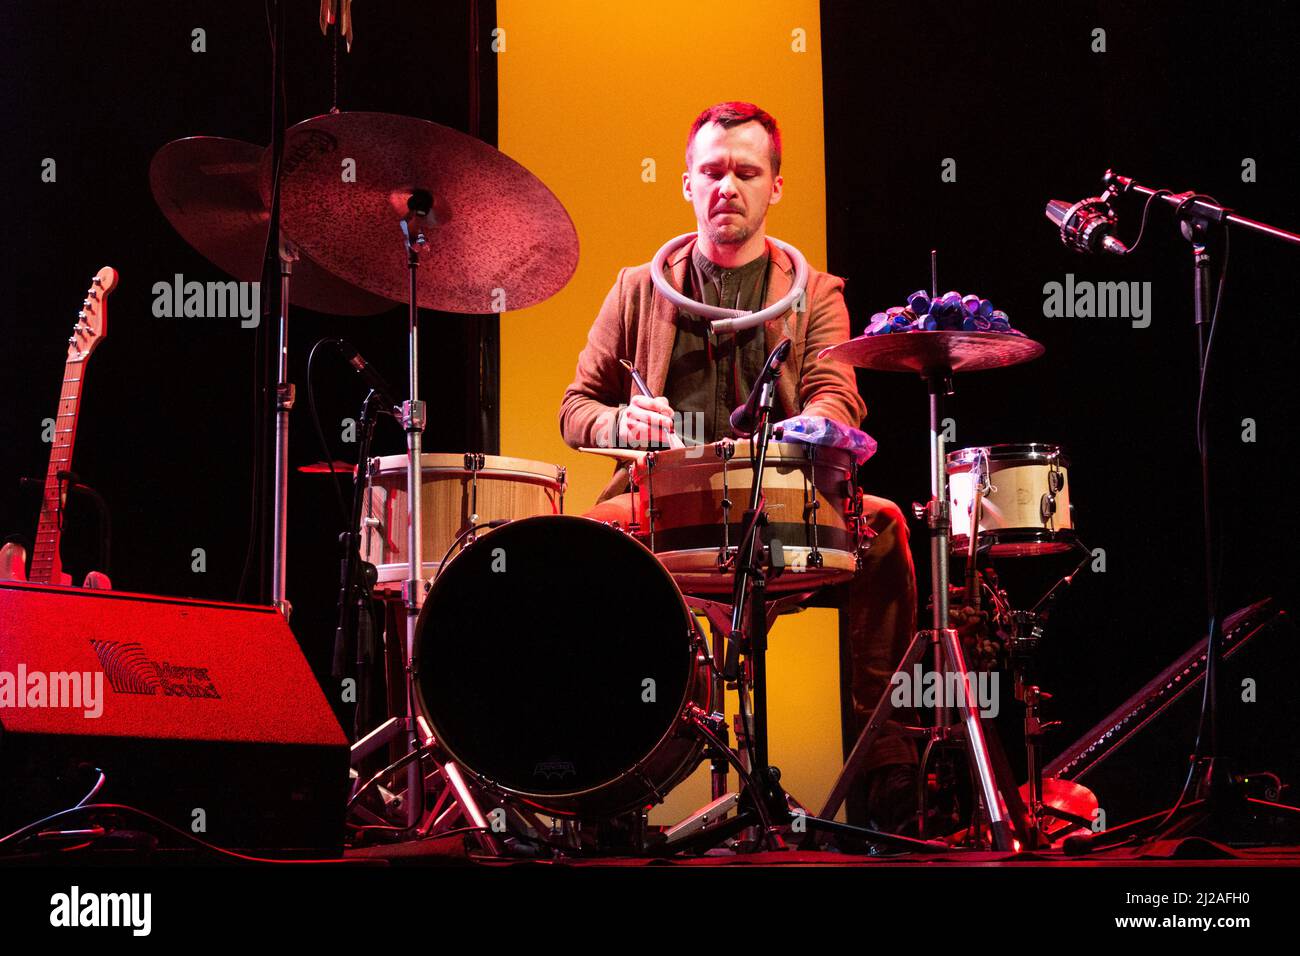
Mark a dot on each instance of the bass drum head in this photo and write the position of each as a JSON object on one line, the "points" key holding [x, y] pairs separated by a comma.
{"points": [[535, 649]]}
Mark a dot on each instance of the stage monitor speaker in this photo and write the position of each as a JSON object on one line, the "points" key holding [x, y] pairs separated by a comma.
{"points": [[204, 714], [1136, 758]]}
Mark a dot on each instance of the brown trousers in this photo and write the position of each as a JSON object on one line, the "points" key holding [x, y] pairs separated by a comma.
{"points": [[877, 615]]}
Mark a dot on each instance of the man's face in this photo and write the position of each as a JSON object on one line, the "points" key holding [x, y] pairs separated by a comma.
{"points": [[730, 182]]}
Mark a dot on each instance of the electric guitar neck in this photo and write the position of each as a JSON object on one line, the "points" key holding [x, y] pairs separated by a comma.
{"points": [[89, 331]]}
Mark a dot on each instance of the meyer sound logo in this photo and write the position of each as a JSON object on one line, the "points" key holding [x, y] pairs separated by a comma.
{"points": [[131, 671], [554, 769]]}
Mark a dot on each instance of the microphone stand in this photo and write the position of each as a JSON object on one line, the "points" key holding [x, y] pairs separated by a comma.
{"points": [[769, 807], [356, 578], [1216, 798]]}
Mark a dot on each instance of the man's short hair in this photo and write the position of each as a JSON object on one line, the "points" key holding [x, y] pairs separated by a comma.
{"points": [[734, 113]]}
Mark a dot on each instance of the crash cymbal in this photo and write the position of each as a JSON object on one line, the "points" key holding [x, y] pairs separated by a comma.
{"points": [[497, 238], [208, 188], [920, 352], [1067, 795]]}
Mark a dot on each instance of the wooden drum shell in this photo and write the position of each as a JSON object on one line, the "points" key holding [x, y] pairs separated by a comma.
{"points": [[687, 489], [508, 488], [1012, 519]]}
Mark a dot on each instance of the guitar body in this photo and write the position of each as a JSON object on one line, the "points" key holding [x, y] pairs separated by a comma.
{"points": [[87, 333]]}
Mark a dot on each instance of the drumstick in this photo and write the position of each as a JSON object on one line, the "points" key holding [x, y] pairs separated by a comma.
{"points": [[623, 454], [644, 389]]}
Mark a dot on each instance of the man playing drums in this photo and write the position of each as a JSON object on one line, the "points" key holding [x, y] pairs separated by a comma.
{"points": [[733, 160]]}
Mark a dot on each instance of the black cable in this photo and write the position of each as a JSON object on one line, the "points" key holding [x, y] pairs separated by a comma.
{"points": [[1209, 705], [320, 432], [21, 834], [99, 785], [1209, 343], [1146, 208]]}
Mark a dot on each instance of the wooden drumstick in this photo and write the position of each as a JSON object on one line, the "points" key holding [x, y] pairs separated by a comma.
{"points": [[623, 454], [644, 389]]}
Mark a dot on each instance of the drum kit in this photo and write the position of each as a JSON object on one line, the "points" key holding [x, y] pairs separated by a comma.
{"points": [[551, 666]]}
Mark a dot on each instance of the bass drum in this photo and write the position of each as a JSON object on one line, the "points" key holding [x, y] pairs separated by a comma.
{"points": [[557, 660]]}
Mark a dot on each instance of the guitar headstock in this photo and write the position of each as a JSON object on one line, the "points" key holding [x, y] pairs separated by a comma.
{"points": [[92, 326]]}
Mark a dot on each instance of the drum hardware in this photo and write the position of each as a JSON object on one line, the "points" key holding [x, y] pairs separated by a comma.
{"points": [[810, 511], [725, 450], [650, 512], [1024, 631], [473, 463], [763, 802], [936, 357]]}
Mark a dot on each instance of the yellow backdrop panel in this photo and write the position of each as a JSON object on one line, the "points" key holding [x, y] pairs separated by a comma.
{"points": [[596, 99]]}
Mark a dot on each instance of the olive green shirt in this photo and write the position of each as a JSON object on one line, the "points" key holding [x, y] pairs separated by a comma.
{"points": [[710, 375]]}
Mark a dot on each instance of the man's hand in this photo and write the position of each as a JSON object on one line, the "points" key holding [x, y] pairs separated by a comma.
{"points": [[646, 421]]}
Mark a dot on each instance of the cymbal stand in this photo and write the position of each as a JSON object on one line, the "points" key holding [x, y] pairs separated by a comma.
{"points": [[418, 737], [941, 641], [284, 398], [763, 802]]}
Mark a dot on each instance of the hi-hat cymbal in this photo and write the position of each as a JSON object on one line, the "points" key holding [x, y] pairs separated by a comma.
{"points": [[921, 352], [497, 238], [208, 188]]}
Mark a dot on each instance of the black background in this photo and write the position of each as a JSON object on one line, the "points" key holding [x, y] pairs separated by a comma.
{"points": [[166, 429], [1015, 94], [1012, 92]]}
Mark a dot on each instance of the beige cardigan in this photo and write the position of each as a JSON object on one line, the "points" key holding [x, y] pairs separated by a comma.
{"points": [[601, 384]]}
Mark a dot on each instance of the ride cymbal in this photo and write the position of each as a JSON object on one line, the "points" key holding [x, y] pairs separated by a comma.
{"points": [[497, 238], [209, 189]]}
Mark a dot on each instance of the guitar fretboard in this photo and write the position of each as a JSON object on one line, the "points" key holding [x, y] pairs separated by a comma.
{"points": [[45, 556]]}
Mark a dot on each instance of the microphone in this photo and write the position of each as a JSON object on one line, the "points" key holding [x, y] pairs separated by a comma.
{"points": [[1087, 226], [367, 372], [745, 417]]}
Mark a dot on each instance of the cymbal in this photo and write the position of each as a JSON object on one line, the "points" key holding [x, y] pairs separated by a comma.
{"points": [[921, 352], [497, 238], [208, 188], [1068, 795]]}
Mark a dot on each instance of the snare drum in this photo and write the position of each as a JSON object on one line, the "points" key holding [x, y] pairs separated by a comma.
{"points": [[690, 507], [1026, 509], [558, 664], [458, 491]]}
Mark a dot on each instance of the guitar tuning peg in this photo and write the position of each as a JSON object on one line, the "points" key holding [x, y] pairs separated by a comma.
{"points": [[85, 302], [97, 281], [81, 315], [94, 293], [72, 339]]}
